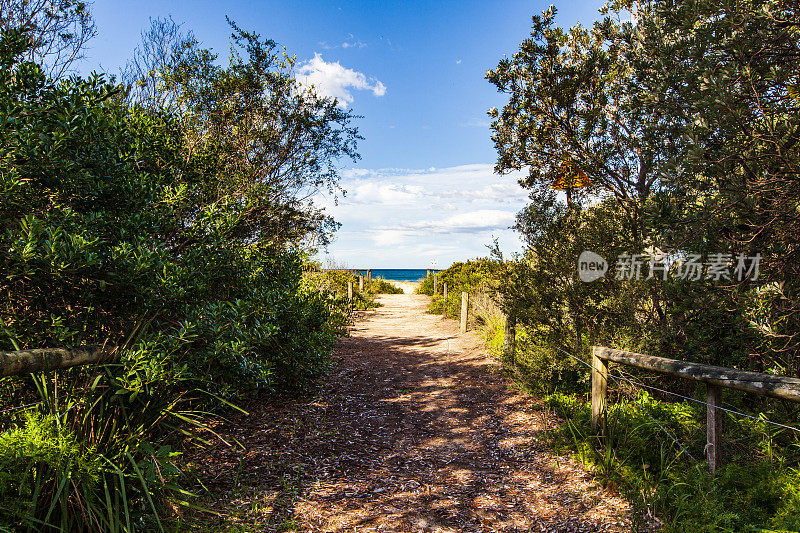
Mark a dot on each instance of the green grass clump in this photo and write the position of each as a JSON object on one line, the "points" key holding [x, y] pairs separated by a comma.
{"points": [[750, 491], [381, 286], [333, 283], [42, 461]]}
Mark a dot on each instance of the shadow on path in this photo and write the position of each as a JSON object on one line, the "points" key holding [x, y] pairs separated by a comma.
{"points": [[415, 430]]}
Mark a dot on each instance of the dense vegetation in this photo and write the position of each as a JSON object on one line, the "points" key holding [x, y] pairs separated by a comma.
{"points": [[165, 221], [166, 218], [334, 283], [670, 136], [474, 277]]}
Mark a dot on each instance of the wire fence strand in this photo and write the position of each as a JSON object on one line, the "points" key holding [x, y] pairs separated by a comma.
{"points": [[695, 400], [641, 408]]}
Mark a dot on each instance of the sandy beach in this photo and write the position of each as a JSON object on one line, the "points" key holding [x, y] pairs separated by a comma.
{"points": [[408, 286]]}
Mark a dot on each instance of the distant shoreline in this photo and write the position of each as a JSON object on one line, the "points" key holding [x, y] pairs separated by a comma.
{"points": [[400, 275]]}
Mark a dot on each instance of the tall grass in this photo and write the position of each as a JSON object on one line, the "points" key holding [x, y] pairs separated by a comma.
{"points": [[757, 487], [97, 452]]}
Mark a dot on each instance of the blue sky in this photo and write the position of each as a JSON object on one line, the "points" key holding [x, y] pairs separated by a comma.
{"points": [[424, 188]]}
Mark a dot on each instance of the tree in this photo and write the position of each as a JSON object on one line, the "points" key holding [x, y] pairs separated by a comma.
{"points": [[161, 46], [731, 73], [574, 105], [57, 30], [254, 137]]}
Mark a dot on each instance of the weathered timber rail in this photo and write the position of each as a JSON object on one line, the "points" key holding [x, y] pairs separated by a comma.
{"points": [[46, 359], [715, 377]]}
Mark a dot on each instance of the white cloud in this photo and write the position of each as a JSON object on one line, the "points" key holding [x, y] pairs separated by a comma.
{"points": [[352, 42], [386, 193], [496, 191], [389, 237], [474, 222], [334, 80], [470, 222], [403, 218]]}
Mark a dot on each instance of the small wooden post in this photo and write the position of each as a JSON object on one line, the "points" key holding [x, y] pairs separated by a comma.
{"points": [[464, 309], [599, 383], [350, 291], [435, 283], [713, 397], [360, 282], [509, 339], [369, 275], [444, 295]]}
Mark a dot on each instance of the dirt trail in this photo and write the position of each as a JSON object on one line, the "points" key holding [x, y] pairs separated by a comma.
{"points": [[414, 430]]}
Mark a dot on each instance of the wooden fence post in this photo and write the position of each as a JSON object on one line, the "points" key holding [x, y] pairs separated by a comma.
{"points": [[435, 283], [444, 295], [713, 397], [599, 383], [509, 339], [369, 275], [464, 310], [350, 291], [360, 282]]}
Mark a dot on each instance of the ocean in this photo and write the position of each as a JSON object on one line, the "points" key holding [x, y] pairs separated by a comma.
{"points": [[400, 274]]}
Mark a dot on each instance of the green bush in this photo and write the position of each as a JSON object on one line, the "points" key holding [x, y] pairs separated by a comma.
{"points": [[42, 461], [749, 491], [333, 284], [381, 286], [117, 232], [478, 275]]}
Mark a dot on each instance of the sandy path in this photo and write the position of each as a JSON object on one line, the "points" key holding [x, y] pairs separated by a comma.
{"points": [[414, 430]]}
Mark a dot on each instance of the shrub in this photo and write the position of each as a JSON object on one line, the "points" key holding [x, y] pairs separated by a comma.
{"points": [[381, 286], [748, 492], [116, 232], [475, 276], [333, 284]]}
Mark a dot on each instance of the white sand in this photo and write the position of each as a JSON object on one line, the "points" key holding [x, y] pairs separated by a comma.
{"points": [[408, 286]]}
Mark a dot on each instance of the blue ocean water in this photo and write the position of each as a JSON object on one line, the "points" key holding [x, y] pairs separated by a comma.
{"points": [[400, 274]]}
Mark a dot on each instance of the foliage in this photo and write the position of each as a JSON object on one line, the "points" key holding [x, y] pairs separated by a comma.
{"points": [[139, 229], [41, 450], [683, 118], [381, 286], [161, 46], [729, 75], [572, 108], [257, 137], [472, 276], [751, 490], [334, 283], [655, 113], [58, 31]]}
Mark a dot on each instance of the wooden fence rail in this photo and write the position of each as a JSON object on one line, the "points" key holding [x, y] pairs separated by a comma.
{"points": [[715, 377], [46, 359]]}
